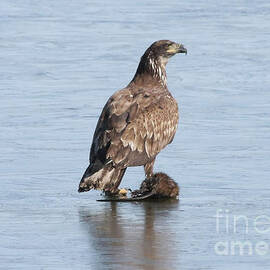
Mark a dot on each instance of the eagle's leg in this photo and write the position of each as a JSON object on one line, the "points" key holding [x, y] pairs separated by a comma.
{"points": [[111, 187], [148, 169]]}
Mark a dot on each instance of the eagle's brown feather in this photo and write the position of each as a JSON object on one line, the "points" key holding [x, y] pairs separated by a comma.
{"points": [[123, 130]]}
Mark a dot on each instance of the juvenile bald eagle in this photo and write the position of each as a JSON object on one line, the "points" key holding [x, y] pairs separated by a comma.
{"points": [[136, 123]]}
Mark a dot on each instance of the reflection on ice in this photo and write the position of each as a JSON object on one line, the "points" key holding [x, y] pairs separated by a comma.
{"points": [[141, 238]]}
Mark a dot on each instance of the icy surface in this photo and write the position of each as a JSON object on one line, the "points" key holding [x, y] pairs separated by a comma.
{"points": [[60, 61]]}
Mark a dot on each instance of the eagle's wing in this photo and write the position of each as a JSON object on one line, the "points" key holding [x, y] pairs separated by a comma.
{"points": [[133, 129]]}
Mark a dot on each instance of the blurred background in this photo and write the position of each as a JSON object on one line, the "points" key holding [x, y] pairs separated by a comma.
{"points": [[60, 62]]}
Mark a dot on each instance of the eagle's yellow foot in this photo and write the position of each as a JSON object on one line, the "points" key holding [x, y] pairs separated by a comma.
{"points": [[122, 192]]}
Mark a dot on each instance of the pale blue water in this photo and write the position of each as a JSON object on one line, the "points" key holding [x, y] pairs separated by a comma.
{"points": [[60, 61]]}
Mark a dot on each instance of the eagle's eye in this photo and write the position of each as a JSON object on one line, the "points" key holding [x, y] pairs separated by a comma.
{"points": [[171, 48]]}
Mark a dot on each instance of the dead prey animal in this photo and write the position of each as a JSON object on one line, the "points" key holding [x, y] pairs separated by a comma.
{"points": [[159, 186]]}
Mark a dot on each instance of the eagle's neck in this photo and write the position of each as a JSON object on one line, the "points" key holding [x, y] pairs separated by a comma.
{"points": [[151, 69]]}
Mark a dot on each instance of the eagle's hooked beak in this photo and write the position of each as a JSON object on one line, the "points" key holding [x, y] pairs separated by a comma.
{"points": [[181, 49]]}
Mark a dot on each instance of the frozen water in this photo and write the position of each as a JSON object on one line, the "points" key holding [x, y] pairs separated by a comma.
{"points": [[60, 61]]}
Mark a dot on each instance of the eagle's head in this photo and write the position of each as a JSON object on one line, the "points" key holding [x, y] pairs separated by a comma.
{"points": [[156, 57], [165, 49]]}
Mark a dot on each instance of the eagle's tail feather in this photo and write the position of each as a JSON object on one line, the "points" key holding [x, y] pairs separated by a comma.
{"points": [[107, 179]]}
